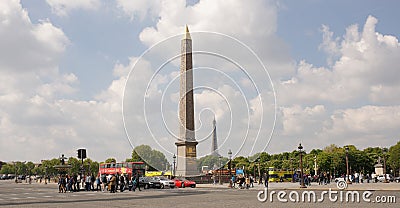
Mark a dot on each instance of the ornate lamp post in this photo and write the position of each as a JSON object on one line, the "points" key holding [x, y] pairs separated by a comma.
{"points": [[15, 169], [45, 175], [292, 170], [301, 167], [174, 161], [347, 165], [230, 167], [220, 169], [384, 165]]}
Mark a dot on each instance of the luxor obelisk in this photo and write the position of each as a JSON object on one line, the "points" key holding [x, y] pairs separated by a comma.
{"points": [[186, 144]]}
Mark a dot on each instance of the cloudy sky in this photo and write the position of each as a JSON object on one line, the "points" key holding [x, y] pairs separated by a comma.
{"points": [[103, 75]]}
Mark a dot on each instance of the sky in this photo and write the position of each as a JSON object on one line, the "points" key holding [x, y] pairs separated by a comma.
{"points": [[104, 75]]}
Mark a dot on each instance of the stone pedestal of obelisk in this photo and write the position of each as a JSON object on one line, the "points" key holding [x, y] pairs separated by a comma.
{"points": [[186, 144]]}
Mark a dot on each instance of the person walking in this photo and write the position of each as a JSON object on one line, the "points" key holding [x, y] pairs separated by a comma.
{"points": [[266, 180], [122, 183], [247, 182], [87, 182], [98, 183], [61, 184], [104, 182], [112, 183]]}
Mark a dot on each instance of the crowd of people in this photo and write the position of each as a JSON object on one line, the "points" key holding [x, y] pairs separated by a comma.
{"points": [[111, 183]]}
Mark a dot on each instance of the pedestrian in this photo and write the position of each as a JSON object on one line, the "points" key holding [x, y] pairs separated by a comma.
{"points": [[87, 182], [251, 181], [130, 184], [92, 180], [98, 183], [104, 182], [138, 182], [214, 179], [61, 184], [233, 181], [266, 179], [112, 183], [247, 182], [122, 183]]}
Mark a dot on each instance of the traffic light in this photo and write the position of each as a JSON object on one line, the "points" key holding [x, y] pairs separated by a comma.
{"points": [[81, 153]]}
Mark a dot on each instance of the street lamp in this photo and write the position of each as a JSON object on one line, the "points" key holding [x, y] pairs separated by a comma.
{"points": [[174, 161], [220, 169], [45, 175], [384, 165], [347, 165], [15, 170], [230, 168], [301, 167]]}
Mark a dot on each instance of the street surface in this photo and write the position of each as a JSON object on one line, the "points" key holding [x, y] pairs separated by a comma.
{"points": [[41, 195]]}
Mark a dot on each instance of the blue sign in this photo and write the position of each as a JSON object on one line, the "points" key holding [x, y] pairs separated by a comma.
{"points": [[239, 171]]}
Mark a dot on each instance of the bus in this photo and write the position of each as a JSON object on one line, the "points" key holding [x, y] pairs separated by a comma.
{"points": [[125, 168], [276, 175]]}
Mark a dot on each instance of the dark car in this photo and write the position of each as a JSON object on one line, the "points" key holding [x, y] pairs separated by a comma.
{"points": [[397, 179], [147, 183]]}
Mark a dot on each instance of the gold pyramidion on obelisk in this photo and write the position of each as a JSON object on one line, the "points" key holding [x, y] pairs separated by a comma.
{"points": [[186, 145]]}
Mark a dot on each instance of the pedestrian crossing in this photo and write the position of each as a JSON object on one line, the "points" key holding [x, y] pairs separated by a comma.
{"points": [[27, 196]]}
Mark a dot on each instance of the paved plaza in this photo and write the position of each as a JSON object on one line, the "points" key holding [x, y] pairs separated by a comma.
{"points": [[41, 195]]}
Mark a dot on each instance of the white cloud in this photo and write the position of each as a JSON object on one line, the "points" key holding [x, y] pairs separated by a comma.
{"points": [[63, 7], [140, 8], [351, 100]]}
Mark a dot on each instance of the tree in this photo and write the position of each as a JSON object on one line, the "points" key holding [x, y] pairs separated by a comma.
{"points": [[154, 159], [7, 169], [210, 161], [394, 157], [29, 166], [111, 160]]}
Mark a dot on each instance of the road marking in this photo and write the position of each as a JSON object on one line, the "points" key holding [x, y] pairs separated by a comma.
{"points": [[31, 197], [14, 198], [27, 193]]}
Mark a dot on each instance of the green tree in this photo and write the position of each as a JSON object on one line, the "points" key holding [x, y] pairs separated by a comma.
{"points": [[211, 161], [394, 158], [154, 159], [111, 160], [29, 167], [7, 169]]}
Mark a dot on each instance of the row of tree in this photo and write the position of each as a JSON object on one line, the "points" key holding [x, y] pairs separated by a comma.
{"points": [[47, 167], [331, 158]]}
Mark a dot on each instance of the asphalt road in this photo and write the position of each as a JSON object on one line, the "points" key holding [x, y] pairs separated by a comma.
{"points": [[40, 195]]}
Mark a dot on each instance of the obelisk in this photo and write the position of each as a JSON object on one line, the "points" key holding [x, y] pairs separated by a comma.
{"points": [[186, 144], [214, 143]]}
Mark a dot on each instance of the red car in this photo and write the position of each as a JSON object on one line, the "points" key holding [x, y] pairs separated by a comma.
{"points": [[182, 183]]}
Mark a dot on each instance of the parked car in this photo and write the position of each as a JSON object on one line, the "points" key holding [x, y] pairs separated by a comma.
{"points": [[381, 178], [10, 176], [339, 179], [165, 182], [182, 183], [148, 182], [397, 179]]}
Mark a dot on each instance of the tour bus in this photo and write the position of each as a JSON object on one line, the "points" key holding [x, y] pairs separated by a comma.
{"points": [[126, 168], [276, 175]]}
